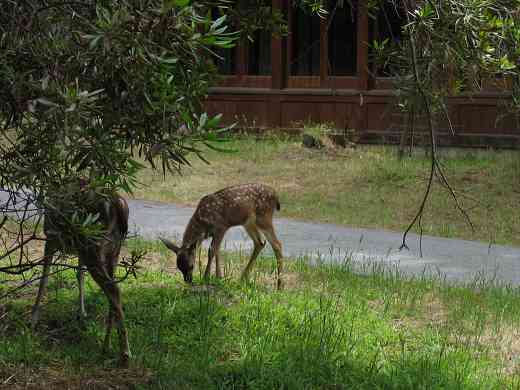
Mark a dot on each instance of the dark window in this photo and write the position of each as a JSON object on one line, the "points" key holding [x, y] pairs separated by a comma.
{"points": [[305, 58], [226, 60], [259, 54], [388, 25], [342, 37], [390, 19]]}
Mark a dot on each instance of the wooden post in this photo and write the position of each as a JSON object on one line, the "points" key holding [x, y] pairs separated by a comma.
{"points": [[241, 58], [279, 70], [362, 64], [241, 51], [362, 45], [324, 53], [279, 55]]}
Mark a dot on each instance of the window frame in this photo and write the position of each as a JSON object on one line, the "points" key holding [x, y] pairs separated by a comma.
{"points": [[281, 48]]}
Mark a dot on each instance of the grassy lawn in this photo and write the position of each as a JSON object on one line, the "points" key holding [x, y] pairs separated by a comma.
{"points": [[330, 328], [364, 187]]}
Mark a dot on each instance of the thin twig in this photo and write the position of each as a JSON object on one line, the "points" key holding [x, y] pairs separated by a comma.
{"points": [[435, 167]]}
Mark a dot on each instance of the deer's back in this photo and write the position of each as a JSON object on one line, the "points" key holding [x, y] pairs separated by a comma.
{"points": [[113, 213], [234, 205]]}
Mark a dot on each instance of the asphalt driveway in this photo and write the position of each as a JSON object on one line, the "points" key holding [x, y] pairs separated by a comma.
{"points": [[450, 258], [458, 260]]}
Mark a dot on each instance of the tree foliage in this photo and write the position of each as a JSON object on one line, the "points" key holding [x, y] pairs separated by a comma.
{"points": [[449, 48], [91, 88], [459, 46]]}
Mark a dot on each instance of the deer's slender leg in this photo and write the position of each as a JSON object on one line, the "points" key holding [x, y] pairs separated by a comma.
{"points": [[111, 312], [80, 275], [110, 316], [110, 288], [215, 247], [213, 252], [108, 332], [47, 261], [255, 235], [270, 235], [207, 272], [218, 264]]}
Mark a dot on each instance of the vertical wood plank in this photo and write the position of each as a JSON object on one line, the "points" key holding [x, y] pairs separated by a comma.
{"points": [[279, 54], [362, 45], [289, 41], [241, 58], [241, 50], [324, 52]]}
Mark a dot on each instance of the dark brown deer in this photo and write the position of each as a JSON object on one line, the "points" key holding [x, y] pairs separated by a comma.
{"points": [[251, 206], [100, 257]]}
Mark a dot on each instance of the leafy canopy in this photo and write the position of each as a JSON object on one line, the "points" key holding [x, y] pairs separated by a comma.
{"points": [[85, 88]]}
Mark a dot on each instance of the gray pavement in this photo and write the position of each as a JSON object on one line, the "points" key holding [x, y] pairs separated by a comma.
{"points": [[457, 260]]}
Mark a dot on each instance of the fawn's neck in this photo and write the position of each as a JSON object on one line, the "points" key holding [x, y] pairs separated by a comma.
{"points": [[195, 233]]}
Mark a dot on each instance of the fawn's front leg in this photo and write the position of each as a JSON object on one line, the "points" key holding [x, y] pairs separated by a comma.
{"points": [[213, 252]]}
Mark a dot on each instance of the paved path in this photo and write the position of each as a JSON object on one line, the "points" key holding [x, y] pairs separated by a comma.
{"points": [[455, 259]]}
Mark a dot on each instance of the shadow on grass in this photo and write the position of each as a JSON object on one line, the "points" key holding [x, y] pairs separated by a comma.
{"points": [[238, 338]]}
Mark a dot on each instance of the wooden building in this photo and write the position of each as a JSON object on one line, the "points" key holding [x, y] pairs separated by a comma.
{"points": [[321, 72]]}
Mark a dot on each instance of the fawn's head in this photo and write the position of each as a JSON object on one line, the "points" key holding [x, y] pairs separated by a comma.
{"points": [[185, 259]]}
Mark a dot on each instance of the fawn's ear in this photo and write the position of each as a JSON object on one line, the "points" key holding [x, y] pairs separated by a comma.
{"points": [[170, 245]]}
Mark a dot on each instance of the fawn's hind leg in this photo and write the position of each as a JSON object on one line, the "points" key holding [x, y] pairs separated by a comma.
{"points": [[255, 235], [270, 235]]}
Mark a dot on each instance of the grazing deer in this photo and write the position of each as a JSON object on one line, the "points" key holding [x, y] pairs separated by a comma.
{"points": [[251, 206], [100, 257]]}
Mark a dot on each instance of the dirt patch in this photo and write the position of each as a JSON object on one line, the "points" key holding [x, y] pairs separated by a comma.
{"points": [[154, 261], [503, 344], [435, 312], [14, 378], [291, 280], [431, 312], [291, 186]]}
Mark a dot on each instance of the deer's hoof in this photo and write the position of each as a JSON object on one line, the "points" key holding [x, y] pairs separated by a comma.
{"points": [[81, 317], [107, 345], [124, 361], [34, 321]]}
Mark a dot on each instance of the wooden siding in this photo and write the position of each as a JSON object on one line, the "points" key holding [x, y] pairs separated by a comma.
{"points": [[372, 111], [362, 102]]}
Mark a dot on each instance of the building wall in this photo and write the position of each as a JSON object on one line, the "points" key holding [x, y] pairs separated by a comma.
{"points": [[358, 100], [367, 111]]}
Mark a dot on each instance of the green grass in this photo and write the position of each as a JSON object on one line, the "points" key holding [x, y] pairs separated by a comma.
{"points": [[329, 328], [363, 187]]}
